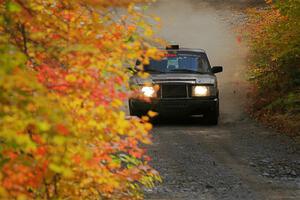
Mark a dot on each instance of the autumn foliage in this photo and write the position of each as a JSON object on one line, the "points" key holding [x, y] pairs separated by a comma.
{"points": [[63, 83], [273, 35]]}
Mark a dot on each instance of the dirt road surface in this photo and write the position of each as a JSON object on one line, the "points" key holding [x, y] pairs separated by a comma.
{"points": [[239, 159]]}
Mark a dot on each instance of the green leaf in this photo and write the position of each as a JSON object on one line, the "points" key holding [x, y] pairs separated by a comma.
{"points": [[13, 7], [44, 126], [59, 140]]}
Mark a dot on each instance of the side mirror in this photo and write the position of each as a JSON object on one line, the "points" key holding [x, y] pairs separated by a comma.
{"points": [[217, 69]]}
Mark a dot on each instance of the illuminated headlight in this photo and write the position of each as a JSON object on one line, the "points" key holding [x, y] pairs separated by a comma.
{"points": [[201, 91], [148, 91]]}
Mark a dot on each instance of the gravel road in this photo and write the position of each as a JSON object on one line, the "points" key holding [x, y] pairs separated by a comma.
{"points": [[239, 159]]}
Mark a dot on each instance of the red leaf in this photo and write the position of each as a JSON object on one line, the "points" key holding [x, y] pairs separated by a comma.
{"points": [[62, 129]]}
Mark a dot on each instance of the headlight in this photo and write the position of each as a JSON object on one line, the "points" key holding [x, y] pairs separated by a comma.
{"points": [[148, 91], [201, 91]]}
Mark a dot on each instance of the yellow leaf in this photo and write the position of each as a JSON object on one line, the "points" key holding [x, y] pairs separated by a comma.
{"points": [[145, 118], [148, 126], [116, 103], [44, 126], [71, 78], [152, 114]]}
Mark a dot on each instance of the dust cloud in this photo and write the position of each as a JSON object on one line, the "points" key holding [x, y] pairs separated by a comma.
{"points": [[197, 24]]}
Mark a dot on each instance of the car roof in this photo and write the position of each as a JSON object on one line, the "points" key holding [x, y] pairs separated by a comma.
{"points": [[195, 50], [189, 49]]}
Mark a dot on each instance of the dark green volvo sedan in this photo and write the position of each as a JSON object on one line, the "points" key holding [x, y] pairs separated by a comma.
{"points": [[186, 84]]}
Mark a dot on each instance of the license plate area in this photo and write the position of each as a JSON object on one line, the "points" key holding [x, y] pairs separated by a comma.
{"points": [[173, 104]]}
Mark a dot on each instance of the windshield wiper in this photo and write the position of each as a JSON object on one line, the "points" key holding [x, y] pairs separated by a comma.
{"points": [[187, 70], [154, 70]]}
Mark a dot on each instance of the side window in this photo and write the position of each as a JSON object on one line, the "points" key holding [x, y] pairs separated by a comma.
{"points": [[205, 65]]}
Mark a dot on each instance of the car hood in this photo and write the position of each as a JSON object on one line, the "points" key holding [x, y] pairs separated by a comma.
{"points": [[176, 78]]}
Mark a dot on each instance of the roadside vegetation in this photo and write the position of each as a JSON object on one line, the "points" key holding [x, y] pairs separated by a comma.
{"points": [[273, 35], [63, 81]]}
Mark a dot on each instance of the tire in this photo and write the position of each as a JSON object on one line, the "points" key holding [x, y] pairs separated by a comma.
{"points": [[134, 112], [212, 118]]}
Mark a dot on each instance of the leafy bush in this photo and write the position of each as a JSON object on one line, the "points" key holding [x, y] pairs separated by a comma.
{"points": [[63, 82], [273, 36]]}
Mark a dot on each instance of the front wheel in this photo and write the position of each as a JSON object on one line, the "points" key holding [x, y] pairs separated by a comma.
{"points": [[134, 112], [212, 117]]}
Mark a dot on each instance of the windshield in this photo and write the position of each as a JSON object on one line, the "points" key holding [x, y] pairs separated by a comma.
{"points": [[178, 64]]}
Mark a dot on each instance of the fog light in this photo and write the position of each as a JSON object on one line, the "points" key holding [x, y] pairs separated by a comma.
{"points": [[148, 91], [200, 91]]}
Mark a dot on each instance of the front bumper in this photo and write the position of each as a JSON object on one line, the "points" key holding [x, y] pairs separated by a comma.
{"points": [[169, 107]]}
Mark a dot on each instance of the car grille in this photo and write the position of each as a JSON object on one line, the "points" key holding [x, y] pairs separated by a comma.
{"points": [[174, 91]]}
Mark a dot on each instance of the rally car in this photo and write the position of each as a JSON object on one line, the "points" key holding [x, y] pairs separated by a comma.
{"points": [[183, 83]]}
